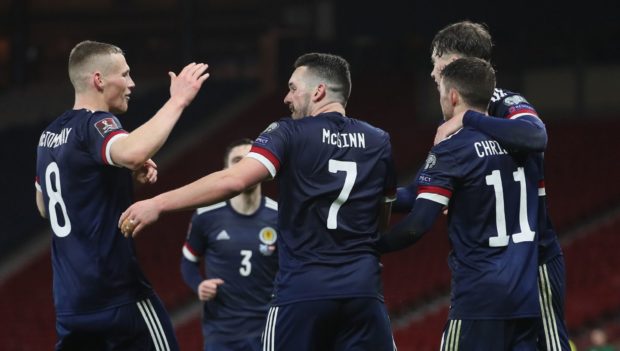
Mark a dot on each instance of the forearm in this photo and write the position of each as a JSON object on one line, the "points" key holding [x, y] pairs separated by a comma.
{"points": [[411, 228], [142, 143], [405, 197], [191, 274], [210, 189], [526, 133]]}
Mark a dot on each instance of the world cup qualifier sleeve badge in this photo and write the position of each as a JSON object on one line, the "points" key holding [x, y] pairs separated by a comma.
{"points": [[268, 237]]}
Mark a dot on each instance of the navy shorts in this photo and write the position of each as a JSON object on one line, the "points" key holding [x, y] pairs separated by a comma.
{"points": [[140, 326], [246, 344], [360, 324], [552, 332], [490, 335]]}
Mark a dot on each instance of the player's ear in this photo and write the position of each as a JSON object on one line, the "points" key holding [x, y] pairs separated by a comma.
{"points": [[319, 92], [455, 97], [98, 80]]}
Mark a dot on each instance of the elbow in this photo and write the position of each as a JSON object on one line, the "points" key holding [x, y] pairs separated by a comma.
{"points": [[539, 140], [133, 159]]}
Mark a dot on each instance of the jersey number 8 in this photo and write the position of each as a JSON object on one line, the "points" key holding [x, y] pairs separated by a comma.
{"points": [[55, 194]]}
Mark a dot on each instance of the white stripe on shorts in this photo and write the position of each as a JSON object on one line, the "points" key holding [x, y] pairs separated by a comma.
{"points": [[155, 328], [545, 296], [270, 329]]}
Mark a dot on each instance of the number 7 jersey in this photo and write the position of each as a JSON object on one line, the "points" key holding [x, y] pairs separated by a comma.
{"points": [[334, 173], [492, 199]]}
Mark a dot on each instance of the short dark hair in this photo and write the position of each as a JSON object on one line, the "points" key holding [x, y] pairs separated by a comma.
{"points": [[473, 78], [465, 38], [333, 69], [234, 144], [82, 56]]}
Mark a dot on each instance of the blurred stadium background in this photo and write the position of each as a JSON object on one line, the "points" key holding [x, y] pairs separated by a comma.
{"points": [[566, 61]]}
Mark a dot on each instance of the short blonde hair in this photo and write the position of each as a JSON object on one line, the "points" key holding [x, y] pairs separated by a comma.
{"points": [[86, 57]]}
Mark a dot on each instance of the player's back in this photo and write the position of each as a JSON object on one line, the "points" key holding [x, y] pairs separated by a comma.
{"points": [[94, 266], [492, 212], [333, 173]]}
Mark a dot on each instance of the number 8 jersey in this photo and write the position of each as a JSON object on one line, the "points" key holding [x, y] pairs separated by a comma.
{"points": [[334, 173], [492, 199], [94, 266]]}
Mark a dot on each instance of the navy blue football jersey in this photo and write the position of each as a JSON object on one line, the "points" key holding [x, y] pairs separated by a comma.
{"points": [[492, 199], [241, 250], [334, 174], [507, 104], [94, 265]]}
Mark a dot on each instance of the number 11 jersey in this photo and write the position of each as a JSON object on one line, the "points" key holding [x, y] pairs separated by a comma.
{"points": [[334, 173], [492, 199]]}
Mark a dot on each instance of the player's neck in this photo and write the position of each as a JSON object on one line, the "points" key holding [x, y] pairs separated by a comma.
{"points": [[89, 102], [247, 203], [329, 107]]}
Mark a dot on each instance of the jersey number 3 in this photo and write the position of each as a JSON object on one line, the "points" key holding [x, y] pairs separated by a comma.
{"points": [[494, 179], [55, 194]]}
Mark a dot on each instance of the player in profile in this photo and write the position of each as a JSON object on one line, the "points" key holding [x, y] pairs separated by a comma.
{"points": [[84, 168], [517, 128], [492, 199], [237, 240], [335, 176]]}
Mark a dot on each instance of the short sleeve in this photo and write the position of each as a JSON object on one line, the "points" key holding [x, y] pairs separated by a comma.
{"points": [[195, 242], [509, 105], [269, 148], [104, 129], [437, 177]]}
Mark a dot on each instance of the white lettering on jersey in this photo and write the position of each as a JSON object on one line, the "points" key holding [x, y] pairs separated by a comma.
{"points": [[489, 148], [498, 94], [357, 140], [53, 140]]}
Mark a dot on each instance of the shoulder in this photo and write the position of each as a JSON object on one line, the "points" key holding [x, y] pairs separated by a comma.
{"points": [[271, 204], [211, 209], [508, 104]]}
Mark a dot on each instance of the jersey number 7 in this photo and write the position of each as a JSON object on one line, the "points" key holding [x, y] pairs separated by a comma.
{"points": [[350, 169]]}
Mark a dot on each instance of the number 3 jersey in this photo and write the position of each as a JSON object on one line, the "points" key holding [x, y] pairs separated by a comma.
{"points": [[94, 265], [334, 173], [492, 199], [242, 251]]}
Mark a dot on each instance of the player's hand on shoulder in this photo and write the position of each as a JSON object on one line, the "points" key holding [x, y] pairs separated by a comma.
{"points": [[208, 289], [449, 127], [138, 216], [147, 173], [185, 86]]}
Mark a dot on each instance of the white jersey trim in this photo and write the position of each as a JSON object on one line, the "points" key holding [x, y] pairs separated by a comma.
{"points": [[265, 161], [519, 115], [271, 203], [38, 187], [434, 197], [542, 192], [202, 210], [189, 255], [108, 148]]}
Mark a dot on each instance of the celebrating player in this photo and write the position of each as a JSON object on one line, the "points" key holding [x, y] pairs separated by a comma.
{"points": [[84, 161], [335, 175], [492, 199]]}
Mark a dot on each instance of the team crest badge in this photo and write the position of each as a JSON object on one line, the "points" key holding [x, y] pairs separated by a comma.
{"points": [[106, 125], [268, 236], [430, 162], [513, 100]]}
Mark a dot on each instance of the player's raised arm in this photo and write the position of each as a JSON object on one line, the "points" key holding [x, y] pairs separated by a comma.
{"points": [[210, 189], [141, 144]]}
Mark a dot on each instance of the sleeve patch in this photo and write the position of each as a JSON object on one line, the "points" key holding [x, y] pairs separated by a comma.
{"points": [[106, 125]]}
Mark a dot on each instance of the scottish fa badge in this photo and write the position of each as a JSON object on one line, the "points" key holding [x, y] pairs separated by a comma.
{"points": [[268, 237]]}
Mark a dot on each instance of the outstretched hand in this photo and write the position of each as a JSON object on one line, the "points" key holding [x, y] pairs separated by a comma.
{"points": [[449, 127], [185, 86], [138, 216], [147, 173]]}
